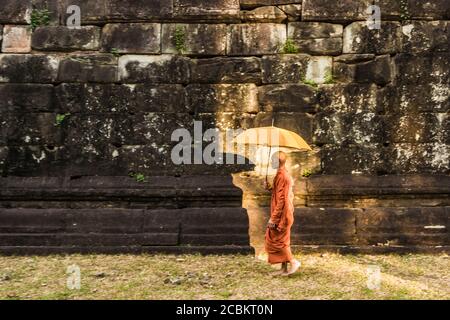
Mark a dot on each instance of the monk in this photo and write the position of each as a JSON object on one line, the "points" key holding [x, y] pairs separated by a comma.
{"points": [[278, 232]]}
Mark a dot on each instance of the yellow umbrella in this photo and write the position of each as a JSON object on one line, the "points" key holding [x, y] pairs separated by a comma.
{"points": [[272, 137]]}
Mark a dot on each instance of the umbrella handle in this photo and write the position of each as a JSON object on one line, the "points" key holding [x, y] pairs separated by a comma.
{"points": [[267, 169]]}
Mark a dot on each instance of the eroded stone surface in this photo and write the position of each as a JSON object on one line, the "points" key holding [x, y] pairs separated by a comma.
{"points": [[224, 10], [255, 39], [58, 38], [316, 38], [164, 68], [16, 39], [264, 14], [28, 68], [358, 38], [196, 39], [226, 70], [132, 38], [88, 68], [223, 98]]}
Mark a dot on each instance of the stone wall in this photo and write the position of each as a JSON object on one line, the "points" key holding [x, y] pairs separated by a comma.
{"points": [[82, 108]]}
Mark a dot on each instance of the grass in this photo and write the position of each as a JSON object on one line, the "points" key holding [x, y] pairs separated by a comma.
{"points": [[323, 276]]}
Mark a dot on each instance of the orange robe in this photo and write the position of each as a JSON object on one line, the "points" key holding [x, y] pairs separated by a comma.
{"points": [[278, 241]]}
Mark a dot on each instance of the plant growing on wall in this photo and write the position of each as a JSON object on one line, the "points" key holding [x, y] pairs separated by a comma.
{"points": [[306, 173], [39, 18], [139, 177], [404, 10], [310, 82], [289, 47], [180, 39], [115, 52], [60, 118], [329, 77]]}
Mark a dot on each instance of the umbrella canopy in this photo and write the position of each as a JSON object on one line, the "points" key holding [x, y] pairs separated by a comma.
{"points": [[272, 137]]}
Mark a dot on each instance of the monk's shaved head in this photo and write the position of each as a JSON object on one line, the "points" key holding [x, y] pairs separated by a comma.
{"points": [[279, 159], [282, 157]]}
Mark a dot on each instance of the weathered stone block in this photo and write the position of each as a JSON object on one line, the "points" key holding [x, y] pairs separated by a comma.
{"points": [[88, 68], [31, 129], [353, 159], [285, 68], [358, 38], [36, 160], [226, 120], [424, 69], [331, 46], [426, 97], [325, 226], [259, 3], [418, 127], [223, 98], [38, 98], [3, 158], [320, 69], [102, 98], [424, 36], [345, 72], [379, 71], [28, 68], [314, 30], [155, 130], [96, 132], [197, 39], [255, 39], [132, 38], [93, 11], [264, 14], [298, 122], [342, 11], [423, 157], [316, 37], [296, 68], [16, 39], [94, 98], [430, 10], [138, 10], [226, 70], [293, 11], [288, 98], [15, 11], [351, 98], [154, 69], [216, 10], [402, 225], [349, 128], [54, 38]]}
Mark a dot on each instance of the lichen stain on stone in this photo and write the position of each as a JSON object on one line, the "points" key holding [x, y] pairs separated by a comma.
{"points": [[440, 93], [40, 158]]}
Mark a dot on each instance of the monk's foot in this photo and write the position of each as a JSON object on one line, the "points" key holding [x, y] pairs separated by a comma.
{"points": [[278, 273], [294, 268]]}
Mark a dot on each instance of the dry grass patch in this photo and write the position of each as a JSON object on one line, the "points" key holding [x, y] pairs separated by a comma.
{"points": [[326, 276]]}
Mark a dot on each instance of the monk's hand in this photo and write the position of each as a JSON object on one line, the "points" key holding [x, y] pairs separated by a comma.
{"points": [[267, 185], [271, 225]]}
